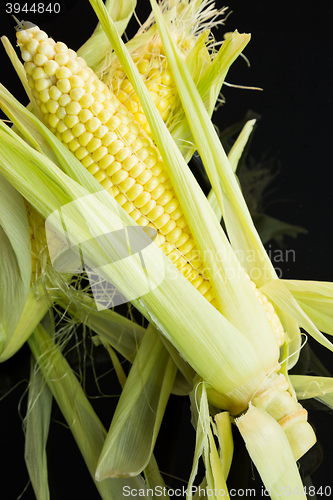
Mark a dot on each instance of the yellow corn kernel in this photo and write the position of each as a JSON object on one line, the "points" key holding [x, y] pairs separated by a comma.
{"points": [[100, 153], [148, 207], [127, 183], [74, 66], [155, 213], [134, 192], [93, 144], [85, 138], [119, 177], [64, 86], [106, 161], [73, 145], [93, 124], [71, 120], [52, 106], [63, 100], [87, 161], [93, 168], [81, 153], [113, 168], [76, 94], [78, 129]]}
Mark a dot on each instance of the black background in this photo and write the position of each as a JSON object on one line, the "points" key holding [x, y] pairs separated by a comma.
{"points": [[291, 59]]}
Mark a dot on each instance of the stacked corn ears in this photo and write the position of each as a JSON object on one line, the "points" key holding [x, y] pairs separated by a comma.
{"points": [[105, 147]]}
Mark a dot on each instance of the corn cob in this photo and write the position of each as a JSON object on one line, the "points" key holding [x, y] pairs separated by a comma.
{"points": [[103, 134], [187, 21], [153, 68], [37, 239]]}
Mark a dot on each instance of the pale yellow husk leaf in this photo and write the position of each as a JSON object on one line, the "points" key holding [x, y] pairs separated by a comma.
{"points": [[270, 451], [37, 422], [135, 425]]}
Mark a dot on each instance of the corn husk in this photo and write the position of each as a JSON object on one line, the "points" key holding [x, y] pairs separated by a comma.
{"points": [[131, 438], [223, 432], [270, 451], [119, 332], [233, 157], [320, 388], [280, 295], [97, 46], [154, 479], [316, 300], [15, 261], [205, 447], [35, 308]]}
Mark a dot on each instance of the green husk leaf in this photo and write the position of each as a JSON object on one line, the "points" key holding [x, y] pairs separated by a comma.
{"points": [[234, 155], [213, 79], [83, 422], [293, 338], [205, 446], [200, 417], [241, 230], [316, 299], [35, 308], [116, 364], [208, 77], [185, 369], [271, 453], [280, 295], [134, 428], [200, 493], [237, 149], [98, 46], [224, 433], [15, 261], [37, 423], [214, 472], [320, 388]]}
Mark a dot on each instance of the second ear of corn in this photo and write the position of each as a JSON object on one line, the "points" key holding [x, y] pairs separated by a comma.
{"points": [[152, 66], [103, 134]]}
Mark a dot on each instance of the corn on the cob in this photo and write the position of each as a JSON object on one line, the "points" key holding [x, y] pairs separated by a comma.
{"points": [[187, 21], [153, 68], [103, 134]]}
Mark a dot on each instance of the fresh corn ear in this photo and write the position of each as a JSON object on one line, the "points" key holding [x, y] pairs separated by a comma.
{"points": [[88, 119], [190, 24], [153, 68], [104, 135]]}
